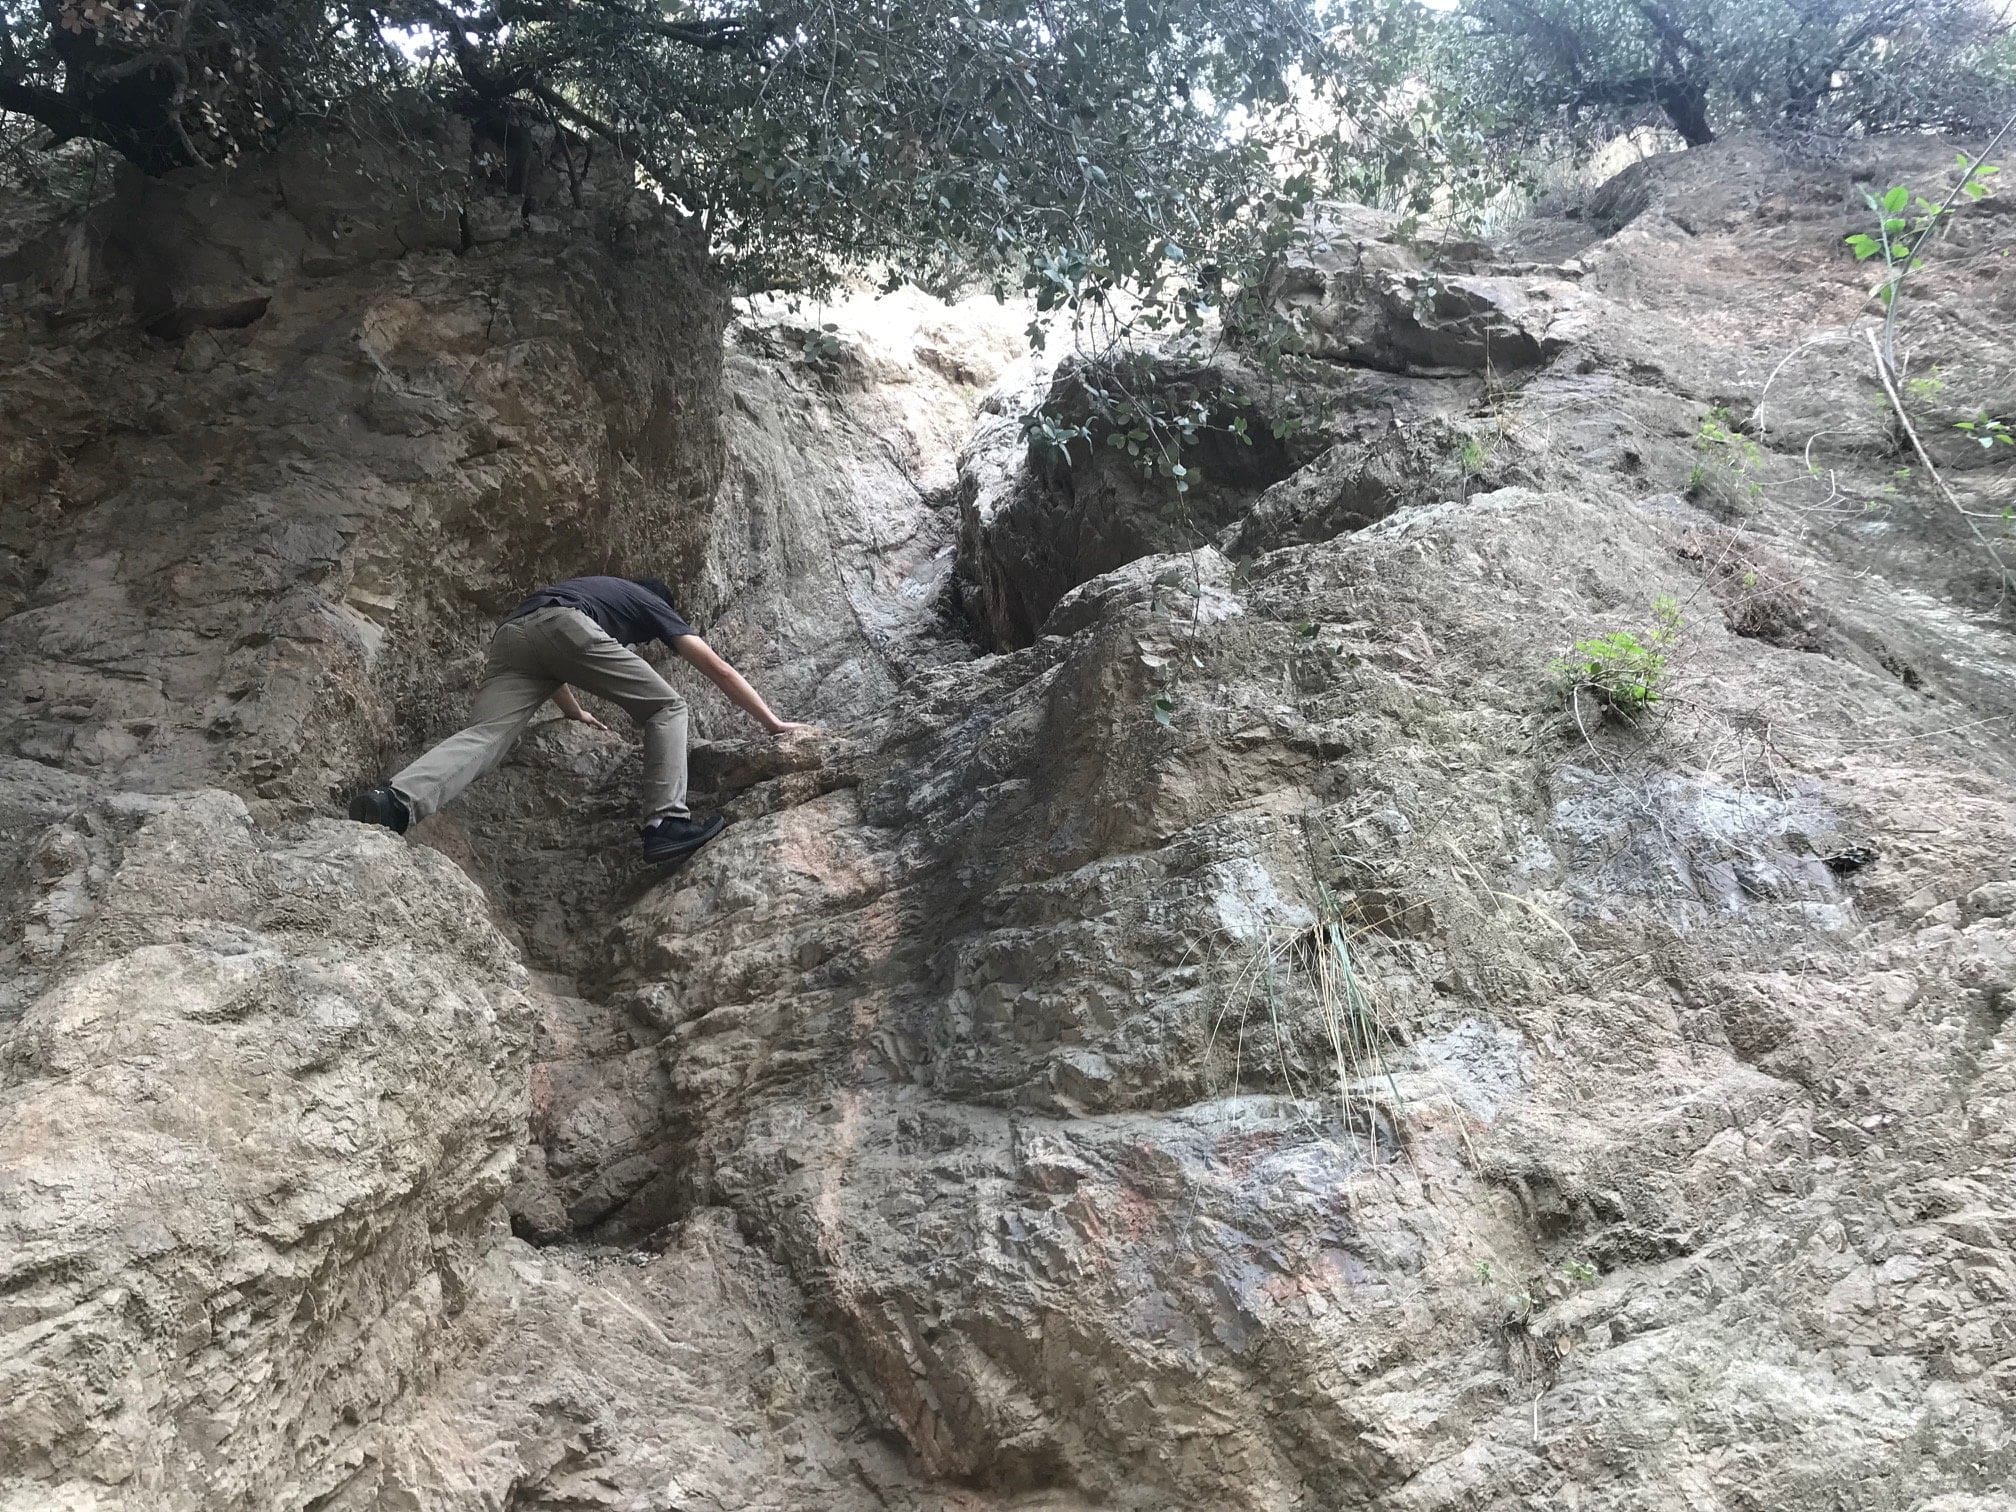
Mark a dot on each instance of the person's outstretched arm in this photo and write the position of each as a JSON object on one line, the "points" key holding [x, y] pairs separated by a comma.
{"points": [[569, 705], [731, 682]]}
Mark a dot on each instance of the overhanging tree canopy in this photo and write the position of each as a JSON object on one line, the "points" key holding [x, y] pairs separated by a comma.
{"points": [[1075, 141], [1704, 67]]}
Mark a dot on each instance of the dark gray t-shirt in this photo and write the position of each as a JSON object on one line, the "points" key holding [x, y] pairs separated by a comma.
{"points": [[627, 612]]}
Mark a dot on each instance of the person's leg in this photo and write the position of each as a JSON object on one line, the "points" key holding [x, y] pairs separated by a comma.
{"points": [[513, 688], [582, 655]]}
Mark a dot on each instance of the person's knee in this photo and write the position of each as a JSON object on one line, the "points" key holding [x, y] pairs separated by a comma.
{"points": [[667, 708]]}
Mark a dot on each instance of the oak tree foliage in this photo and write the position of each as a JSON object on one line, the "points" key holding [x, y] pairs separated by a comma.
{"points": [[1702, 68], [1065, 144]]}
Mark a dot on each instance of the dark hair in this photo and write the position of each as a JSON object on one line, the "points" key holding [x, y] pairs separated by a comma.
{"points": [[657, 586]]}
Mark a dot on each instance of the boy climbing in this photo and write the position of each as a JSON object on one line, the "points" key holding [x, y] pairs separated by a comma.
{"points": [[578, 632]]}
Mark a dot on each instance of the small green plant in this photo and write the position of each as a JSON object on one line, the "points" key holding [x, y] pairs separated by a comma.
{"points": [[1902, 221], [1718, 430], [1163, 708], [1621, 667], [1051, 437], [1986, 432], [1723, 449], [1905, 221], [1927, 389], [1473, 457], [822, 348], [1516, 1304]]}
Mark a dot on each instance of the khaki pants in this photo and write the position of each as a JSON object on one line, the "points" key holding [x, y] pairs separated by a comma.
{"points": [[530, 657]]}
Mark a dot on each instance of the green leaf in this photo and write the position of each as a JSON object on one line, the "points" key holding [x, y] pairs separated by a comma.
{"points": [[1895, 199], [1864, 246]]}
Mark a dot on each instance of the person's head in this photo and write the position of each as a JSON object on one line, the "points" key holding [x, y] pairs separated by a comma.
{"points": [[657, 586]]}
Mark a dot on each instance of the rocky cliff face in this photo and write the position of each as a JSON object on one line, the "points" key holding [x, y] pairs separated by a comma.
{"points": [[1212, 1024]]}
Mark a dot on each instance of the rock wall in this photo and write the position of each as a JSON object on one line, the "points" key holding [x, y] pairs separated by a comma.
{"points": [[1253, 1040], [283, 439]]}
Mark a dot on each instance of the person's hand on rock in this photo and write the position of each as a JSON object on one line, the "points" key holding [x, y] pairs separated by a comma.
{"points": [[570, 708]]}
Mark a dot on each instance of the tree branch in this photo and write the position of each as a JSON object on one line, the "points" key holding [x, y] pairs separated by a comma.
{"points": [[2004, 578], [722, 34], [561, 105], [1666, 29]]}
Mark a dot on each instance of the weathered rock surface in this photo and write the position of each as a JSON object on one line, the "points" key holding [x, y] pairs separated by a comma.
{"points": [[1371, 295], [258, 1122], [1381, 1081], [218, 546]]}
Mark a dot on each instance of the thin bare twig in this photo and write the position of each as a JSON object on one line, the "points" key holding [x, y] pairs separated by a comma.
{"points": [[1890, 388], [1904, 263]]}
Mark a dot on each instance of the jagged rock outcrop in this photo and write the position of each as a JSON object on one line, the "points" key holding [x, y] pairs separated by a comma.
{"points": [[1369, 292], [217, 544], [1257, 1042], [258, 1122], [1410, 345], [268, 1077]]}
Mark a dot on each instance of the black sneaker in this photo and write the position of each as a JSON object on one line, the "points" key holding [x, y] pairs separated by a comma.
{"points": [[380, 805], [669, 839]]}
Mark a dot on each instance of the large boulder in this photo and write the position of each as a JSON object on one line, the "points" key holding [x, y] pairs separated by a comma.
{"points": [[258, 1119], [1361, 292], [1277, 1103]]}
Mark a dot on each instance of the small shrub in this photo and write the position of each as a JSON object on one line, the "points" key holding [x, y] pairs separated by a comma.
{"points": [[1926, 390], [822, 348], [1724, 455], [1623, 668], [1905, 221]]}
